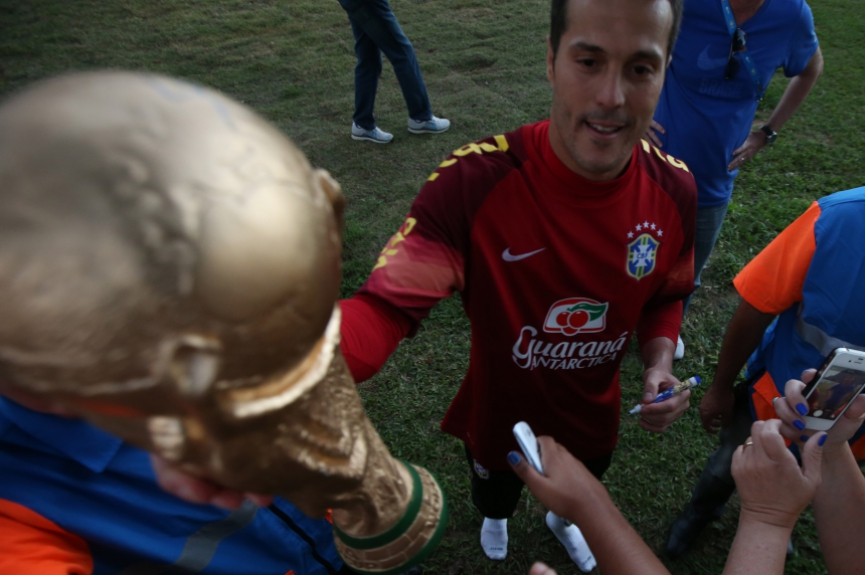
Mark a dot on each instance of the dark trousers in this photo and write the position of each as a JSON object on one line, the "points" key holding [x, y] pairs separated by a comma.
{"points": [[496, 494], [375, 31], [709, 222], [716, 484]]}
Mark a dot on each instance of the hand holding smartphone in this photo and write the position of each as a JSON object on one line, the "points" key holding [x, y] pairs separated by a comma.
{"points": [[529, 445], [839, 381]]}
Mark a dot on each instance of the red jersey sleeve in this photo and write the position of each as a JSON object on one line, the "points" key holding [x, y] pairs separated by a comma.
{"points": [[424, 262], [371, 331], [773, 280], [662, 314]]}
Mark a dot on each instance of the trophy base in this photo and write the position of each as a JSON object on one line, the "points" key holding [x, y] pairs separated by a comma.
{"points": [[410, 541]]}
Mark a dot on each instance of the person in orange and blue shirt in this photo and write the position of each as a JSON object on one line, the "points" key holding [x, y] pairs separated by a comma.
{"points": [[75, 500], [801, 298]]}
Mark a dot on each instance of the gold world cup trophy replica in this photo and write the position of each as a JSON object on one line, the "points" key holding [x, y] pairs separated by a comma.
{"points": [[169, 270]]}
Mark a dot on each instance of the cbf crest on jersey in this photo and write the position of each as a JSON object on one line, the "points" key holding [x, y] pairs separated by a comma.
{"points": [[642, 255]]}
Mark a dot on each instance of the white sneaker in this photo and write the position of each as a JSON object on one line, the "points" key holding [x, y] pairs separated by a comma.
{"points": [[374, 135], [680, 349], [432, 126]]}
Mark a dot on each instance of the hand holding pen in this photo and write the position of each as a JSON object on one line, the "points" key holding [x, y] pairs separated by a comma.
{"points": [[665, 395]]}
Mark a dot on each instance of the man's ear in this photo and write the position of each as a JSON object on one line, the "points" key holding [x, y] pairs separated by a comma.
{"points": [[191, 362], [551, 61]]}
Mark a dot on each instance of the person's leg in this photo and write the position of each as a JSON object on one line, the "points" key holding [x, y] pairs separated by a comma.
{"points": [[379, 23], [366, 74], [709, 222], [496, 495], [715, 485]]}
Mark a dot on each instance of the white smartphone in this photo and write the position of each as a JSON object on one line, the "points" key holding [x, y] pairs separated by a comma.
{"points": [[840, 380], [529, 445]]}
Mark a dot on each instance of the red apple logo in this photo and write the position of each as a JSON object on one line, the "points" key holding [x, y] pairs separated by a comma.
{"points": [[574, 315]]}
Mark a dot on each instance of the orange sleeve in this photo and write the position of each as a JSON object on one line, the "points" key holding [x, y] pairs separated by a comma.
{"points": [[773, 280], [30, 544]]}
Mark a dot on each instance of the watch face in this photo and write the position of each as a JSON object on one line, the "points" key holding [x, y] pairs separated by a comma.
{"points": [[771, 135]]}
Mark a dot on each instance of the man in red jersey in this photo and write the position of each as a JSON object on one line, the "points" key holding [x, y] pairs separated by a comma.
{"points": [[563, 238]]}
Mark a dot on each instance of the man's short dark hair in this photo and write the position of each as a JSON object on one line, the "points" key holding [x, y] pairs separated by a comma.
{"points": [[559, 23]]}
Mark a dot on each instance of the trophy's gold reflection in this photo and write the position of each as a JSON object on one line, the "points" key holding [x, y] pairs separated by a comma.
{"points": [[169, 269]]}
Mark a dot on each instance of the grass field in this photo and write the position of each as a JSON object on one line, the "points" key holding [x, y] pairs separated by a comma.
{"points": [[483, 61]]}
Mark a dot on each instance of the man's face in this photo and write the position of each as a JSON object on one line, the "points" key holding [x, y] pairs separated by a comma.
{"points": [[606, 79]]}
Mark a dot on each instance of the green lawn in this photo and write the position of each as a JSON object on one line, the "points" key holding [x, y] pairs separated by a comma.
{"points": [[483, 61]]}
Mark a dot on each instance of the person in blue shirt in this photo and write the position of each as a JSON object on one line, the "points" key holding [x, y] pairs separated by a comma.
{"points": [[723, 61], [800, 299], [75, 500]]}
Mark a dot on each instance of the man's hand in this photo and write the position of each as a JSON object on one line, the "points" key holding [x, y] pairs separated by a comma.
{"points": [[716, 408], [755, 142], [566, 482], [657, 417], [196, 490], [772, 487], [793, 406], [652, 136]]}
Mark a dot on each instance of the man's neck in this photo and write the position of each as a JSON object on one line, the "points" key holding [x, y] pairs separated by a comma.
{"points": [[744, 9]]}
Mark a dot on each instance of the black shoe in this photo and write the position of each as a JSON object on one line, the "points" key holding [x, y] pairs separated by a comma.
{"points": [[685, 530]]}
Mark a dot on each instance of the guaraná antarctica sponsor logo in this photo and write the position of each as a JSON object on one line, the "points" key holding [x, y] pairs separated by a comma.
{"points": [[568, 316]]}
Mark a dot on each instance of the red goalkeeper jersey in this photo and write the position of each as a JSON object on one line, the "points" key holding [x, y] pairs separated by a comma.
{"points": [[555, 271]]}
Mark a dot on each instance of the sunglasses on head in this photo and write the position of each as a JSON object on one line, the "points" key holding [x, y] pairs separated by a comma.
{"points": [[737, 45]]}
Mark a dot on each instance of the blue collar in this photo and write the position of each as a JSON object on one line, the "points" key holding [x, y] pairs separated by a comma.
{"points": [[74, 438]]}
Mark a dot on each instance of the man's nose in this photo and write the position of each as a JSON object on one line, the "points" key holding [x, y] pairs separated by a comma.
{"points": [[611, 90]]}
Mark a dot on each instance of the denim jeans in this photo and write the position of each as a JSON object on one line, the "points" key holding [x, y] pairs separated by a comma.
{"points": [[375, 31], [709, 222]]}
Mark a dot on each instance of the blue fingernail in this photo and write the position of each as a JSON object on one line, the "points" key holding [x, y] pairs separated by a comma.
{"points": [[513, 458], [798, 425], [822, 440], [803, 438], [802, 408]]}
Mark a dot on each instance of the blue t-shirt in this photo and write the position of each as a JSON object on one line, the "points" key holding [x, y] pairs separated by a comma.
{"points": [[707, 117], [96, 486], [831, 295]]}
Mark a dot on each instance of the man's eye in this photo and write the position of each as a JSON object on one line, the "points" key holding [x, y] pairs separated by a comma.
{"points": [[587, 62]]}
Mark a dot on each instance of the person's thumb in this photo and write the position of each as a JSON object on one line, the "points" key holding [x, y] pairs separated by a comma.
{"points": [[650, 390], [812, 458], [856, 409], [521, 467], [541, 569]]}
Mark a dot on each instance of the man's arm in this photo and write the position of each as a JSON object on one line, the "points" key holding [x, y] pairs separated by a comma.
{"points": [[371, 331], [796, 92], [769, 284], [743, 335]]}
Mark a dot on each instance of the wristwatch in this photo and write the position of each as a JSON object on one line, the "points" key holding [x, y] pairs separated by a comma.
{"points": [[771, 135]]}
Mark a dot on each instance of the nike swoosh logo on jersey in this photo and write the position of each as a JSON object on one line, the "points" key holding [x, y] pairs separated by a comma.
{"points": [[705, 62], [509, 257]]}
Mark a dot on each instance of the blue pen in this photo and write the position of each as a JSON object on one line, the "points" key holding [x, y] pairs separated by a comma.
{"points": [[675, 390]]}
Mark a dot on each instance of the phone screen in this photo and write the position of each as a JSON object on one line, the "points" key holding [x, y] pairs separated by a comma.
{"points": [[838, 386]]}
